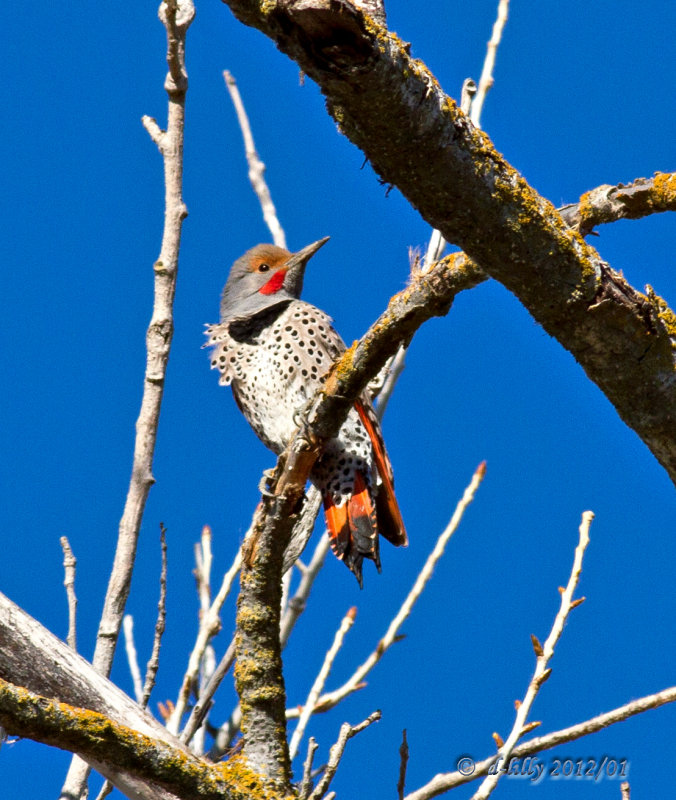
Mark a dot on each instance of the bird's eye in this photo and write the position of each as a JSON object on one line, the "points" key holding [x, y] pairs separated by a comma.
{"points": [[263, 267]]}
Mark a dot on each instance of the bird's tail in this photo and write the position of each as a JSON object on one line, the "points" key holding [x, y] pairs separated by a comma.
{"points": [[355, 524]]}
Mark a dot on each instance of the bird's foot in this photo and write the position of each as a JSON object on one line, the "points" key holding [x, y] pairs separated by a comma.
{"points": [[266, 482]]}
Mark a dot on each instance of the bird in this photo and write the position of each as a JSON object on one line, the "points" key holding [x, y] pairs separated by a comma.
{"points": [[275, 350]]}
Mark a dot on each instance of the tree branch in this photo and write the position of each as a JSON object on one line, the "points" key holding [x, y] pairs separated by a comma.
{"points": [[69, 566], [259, 680], [544, 654], [445, 782], [638, 199], [417, 139], [98, 720], [176, 16], [356, 680], [114, 747], [256, 166]]}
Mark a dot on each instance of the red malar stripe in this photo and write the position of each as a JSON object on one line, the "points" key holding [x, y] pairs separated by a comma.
{"points": [[274, 284]]}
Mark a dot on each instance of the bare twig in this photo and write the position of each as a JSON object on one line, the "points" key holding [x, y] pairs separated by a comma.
{"points": [[435, 248], [447, 781], [176, 17], [486, 79], [355, 682], [469, 89], [396, 368], [625, 790], [69, 565], [210, 624], [320, 680], [471, 103], [297, 603], [199, 712], [160, 624], [336, 753], [306, 783], [132, 656], [256, 166], [106, 789], [403, 762], [544, 655], [203, 562]]}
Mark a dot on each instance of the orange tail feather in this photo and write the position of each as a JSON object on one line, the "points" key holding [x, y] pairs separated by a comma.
{"points": [[390, 522], [352, 527]]}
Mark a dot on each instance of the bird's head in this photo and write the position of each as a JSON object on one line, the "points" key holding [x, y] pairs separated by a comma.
{"points": [[263, 277]]}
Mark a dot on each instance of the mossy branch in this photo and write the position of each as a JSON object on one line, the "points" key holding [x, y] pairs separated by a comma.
{"points": [[417, 138], [640, 198], [259, 679], [118, 750]]}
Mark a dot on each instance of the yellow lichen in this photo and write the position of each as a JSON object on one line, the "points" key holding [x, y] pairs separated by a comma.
{"points": [[664, 190], [664, 313]]}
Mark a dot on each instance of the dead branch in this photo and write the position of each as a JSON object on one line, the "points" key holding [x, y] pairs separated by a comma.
{"points": [[605, 204], [544, 655], [446, 781], [176, 16], [69, 566]]}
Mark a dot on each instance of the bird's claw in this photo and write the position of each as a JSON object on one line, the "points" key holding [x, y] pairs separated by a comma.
{"points": [[265, 482]]}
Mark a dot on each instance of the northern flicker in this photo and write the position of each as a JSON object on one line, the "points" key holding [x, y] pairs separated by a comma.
{"points": [[274, 349]]}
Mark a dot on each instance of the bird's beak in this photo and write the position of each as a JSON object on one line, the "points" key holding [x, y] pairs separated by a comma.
{"points": [[295, 266], [304, 255]]}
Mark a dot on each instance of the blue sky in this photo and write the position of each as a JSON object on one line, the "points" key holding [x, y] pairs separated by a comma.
{"points": [[583, 96]]}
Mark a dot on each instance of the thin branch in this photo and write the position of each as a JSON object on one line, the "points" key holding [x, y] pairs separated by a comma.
{"points": [[176, 17], [132, 656], [106, 789], [486, 79], [160, 624], [472, 100], [467, 94], [397, 365], [625, 789], [447, 781], [355, 682], [544, 655], [297, 603], [256, 166], [306, 783], [638, 199], [403, 762], [69, 565], [203, 562], [210, 625], [226, 734], [347, 731], [320, 680], [202, 706]]}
